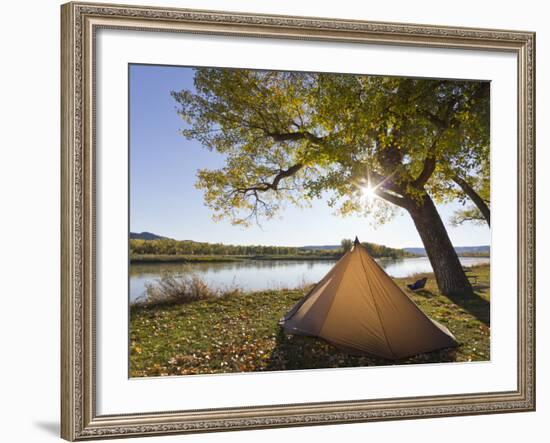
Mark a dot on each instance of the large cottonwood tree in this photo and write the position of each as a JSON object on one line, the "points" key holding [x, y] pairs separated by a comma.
{"points": [[293, 137]]}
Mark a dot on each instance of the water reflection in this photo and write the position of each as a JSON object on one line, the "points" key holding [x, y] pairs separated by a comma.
{"points": [[268, 274]]}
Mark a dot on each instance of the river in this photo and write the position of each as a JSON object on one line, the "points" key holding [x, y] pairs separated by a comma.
{"points": [[257, 275]]}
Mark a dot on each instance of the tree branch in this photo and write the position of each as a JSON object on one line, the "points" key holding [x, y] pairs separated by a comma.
{"points": [[386, 182], [274, 185], [283, 174], [468, 219], [475, 197], [427, 171], [298, 135], [392, 198]]}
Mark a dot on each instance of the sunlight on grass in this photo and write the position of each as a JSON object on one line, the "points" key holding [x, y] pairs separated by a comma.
{"points": [[240, 333]]}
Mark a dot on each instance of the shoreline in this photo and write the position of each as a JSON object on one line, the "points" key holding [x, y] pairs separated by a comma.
{"points": [[158, 259], [146, 259]]}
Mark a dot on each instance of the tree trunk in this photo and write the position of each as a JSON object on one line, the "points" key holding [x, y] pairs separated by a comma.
{"points": [[448, 271]]}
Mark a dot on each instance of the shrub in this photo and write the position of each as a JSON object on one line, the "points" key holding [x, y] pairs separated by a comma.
{"points": [[176, 289]]}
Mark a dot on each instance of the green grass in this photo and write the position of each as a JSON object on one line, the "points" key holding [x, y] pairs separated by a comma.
{"points": [[240, 333]]}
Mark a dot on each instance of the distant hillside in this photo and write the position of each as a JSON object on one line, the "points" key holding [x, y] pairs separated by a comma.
{"points": [[146, 236], [484, 250]]}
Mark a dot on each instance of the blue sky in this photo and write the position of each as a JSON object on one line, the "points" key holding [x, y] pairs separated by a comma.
{"points": [[163, 198]]}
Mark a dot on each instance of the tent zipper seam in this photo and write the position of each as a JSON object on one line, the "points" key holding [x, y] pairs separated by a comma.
{"points": [[377, 309]]}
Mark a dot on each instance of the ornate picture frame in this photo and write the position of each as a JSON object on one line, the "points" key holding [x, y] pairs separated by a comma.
{"points": [[80, 22]]}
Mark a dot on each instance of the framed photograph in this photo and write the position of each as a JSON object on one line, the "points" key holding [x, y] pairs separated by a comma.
{"points": [[277, 221]]}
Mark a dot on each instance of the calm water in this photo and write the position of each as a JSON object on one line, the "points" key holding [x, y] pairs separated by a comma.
{"points": [[263, 274]]}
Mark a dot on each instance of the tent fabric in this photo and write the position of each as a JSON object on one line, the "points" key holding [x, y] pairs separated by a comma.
{"points": [[357, 306]]}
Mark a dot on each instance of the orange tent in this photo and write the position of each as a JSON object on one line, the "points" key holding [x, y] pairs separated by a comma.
{"points": [[359, 307]]}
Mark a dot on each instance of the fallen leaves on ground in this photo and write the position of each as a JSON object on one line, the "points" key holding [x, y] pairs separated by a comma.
{"points": [[241, 334]]}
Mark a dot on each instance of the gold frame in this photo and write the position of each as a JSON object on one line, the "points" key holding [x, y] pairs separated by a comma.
{"points": [[79, 22]]}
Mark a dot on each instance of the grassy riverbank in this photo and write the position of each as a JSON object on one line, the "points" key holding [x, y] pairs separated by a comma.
{"points": [[165, 258], [240, 333]]}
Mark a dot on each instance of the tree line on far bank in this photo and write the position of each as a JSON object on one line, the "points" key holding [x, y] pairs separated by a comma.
{"points": [[189, 247]]}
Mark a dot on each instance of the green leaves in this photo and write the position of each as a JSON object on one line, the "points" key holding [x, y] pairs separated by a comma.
{"points": [[292, 137]]}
